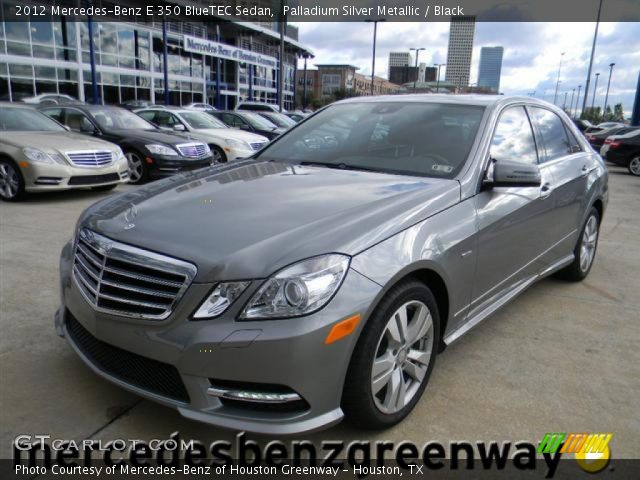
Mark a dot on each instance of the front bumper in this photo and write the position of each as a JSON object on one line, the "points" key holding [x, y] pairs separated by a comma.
{"points": [[250, 355], [163, 166], [49, 177]]}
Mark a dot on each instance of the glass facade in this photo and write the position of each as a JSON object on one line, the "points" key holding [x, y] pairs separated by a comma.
{"points": [[53, 56]]}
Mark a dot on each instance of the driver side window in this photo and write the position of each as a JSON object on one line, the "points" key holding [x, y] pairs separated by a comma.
{"points": [[513, 138]]}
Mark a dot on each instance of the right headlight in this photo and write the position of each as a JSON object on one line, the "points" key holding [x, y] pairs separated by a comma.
{"points": [[161, 150], [300, 289], [38, 156]]}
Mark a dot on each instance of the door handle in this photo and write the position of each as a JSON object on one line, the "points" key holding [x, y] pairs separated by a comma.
{"points": [[545, 190], [586, 170]]}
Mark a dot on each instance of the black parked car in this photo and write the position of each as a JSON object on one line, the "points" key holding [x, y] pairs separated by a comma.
{"points": [[582, 124], [624, 151], [603, 126], [279, 119], [597, 139], [249, 121], [150, 151]]}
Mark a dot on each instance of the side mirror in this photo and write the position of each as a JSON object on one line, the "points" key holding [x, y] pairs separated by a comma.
{"points": [[512, 174], [178, 127]]}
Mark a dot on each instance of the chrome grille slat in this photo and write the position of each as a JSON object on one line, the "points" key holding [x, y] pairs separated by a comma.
{"points": [[192, 150], [131, 288], [141, 277], [121, 279], [87, 269], [91, 158], [115, 298]]}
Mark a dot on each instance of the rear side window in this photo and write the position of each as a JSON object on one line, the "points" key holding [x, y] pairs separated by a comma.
{"points": [[513, 139], [55, 113], [553, 135]]}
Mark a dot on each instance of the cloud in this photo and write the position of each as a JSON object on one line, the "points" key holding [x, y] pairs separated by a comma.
{"points": [[531, 57]]}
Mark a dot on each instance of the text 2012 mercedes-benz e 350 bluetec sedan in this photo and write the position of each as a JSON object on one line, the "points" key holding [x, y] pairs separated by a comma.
{"points": [[319, 278]]}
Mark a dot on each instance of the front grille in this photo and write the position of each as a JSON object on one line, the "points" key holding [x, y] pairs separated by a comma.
{"points": [[192, 150], [94, 179], [258, 145], [128, 281], [91, 158], [145, 373]]}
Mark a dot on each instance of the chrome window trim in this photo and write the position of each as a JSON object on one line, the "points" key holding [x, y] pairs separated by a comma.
{"points": [[137, 256]]}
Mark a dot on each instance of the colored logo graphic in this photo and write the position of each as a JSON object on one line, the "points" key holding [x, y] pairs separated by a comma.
{"points": [[591, 450]]}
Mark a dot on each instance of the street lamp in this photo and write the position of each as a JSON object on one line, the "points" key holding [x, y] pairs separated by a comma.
{"points": [[438, 77], [564, 104], [417, 50], [595, 88], [593, 51], [573, 92], [606, 97], [373, 60], [555, 96], [578, 101]]}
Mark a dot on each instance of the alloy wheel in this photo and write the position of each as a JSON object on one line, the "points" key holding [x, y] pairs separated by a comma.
{"points": [[634, 166], [402, 357], [135, 167], [589, 240], [217, 156], [9, 182]]}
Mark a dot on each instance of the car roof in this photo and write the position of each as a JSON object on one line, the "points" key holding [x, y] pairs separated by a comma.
{"points": [[28, 106], [464, 99]]}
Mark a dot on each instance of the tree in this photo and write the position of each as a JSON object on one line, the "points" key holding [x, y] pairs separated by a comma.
{"points": [[592, 114], [618, 112]]}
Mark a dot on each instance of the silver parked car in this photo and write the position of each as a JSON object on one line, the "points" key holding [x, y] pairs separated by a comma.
{"points": [[319, 279]]}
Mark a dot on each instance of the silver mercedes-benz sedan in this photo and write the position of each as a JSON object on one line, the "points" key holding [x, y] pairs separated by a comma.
{"points": [[318, 279]]}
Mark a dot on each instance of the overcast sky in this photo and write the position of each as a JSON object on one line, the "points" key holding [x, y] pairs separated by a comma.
{"points": [[531, 53]]}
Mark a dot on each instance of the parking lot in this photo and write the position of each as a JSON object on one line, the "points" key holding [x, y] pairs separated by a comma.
{"points": [[563, 357]]}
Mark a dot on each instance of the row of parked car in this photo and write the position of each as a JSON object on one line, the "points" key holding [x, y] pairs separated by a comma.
{"points": [[617, 143], [63, 144]]}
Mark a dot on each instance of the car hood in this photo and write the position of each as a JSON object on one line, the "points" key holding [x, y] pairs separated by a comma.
{"points": [[168, 138], [55, 141], [248, 219], [224, 133]]}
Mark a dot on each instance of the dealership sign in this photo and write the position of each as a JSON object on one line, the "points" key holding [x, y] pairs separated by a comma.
{"points": [[228, 52]]}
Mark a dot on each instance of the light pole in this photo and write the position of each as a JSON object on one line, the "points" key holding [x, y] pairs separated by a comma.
{"points": [[555, 96], [373, 60], [438, 77], [595, 89], [573, 92], [564, 104], [417, 50], [593, 51], [578, 100], [606, 97]]}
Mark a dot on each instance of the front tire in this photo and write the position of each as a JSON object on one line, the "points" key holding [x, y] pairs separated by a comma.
{"points": [[218, 155], [138, 170], [11, 181], [634, 166], [584, 252], [393, 359]]}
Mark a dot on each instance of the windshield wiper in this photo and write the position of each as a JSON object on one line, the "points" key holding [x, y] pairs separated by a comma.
{"points": [[340, 166]]}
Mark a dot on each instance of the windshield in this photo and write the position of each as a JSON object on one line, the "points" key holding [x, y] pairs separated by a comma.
{"points": [[425, 139], [280, 120], [257, 120], [200, 120], [26, 120], [120, 119]]}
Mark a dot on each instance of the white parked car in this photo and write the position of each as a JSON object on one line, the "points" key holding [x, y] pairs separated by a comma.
{"points": [[200, 106], [259, 107], [226, 143], [50, 99]]}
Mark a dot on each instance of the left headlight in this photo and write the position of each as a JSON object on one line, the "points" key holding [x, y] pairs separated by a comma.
{"points": [[220, 299], [300, 289]]}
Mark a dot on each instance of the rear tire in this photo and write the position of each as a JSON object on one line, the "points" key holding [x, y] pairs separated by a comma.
{"points": [[634, 166], [585, 250], [393, 359], [104, 188], [11, 181]]}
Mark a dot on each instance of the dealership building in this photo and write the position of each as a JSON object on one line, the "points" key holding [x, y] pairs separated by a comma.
{"points": [[196, 59]]}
